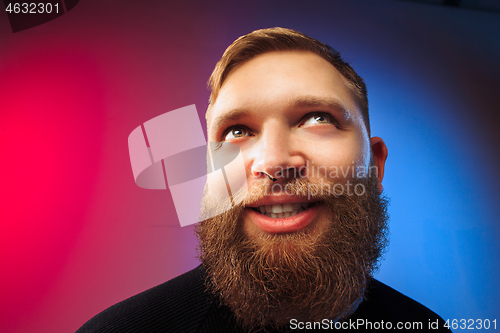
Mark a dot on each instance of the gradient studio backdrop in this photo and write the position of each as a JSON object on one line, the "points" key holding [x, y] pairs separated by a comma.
{"points": [[77, 235]]}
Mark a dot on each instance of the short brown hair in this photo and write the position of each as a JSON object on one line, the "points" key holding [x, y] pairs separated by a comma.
{"points": [[280, 39]]}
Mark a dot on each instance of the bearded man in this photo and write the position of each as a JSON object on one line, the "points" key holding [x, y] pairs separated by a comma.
{"points": [[299, 249]]}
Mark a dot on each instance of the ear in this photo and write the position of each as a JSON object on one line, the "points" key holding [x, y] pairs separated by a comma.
{"points": [[379, 153]]}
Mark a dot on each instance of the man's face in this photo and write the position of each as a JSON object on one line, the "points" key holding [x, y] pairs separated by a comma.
{"points": [[290, 111], [303, 245]]}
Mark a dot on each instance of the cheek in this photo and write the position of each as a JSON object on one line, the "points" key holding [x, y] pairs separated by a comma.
{"points": [[339, 160], [227, 177]]}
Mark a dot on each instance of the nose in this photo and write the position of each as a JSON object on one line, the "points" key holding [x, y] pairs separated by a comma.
{"points": [[277, 155]]}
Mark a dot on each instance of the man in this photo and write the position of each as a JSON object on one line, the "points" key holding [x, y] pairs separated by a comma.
{"points": [[299, 250]]}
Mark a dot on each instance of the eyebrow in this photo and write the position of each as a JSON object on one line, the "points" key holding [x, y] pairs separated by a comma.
{"points": [[230, 116], [299, 102], [327, 103]]}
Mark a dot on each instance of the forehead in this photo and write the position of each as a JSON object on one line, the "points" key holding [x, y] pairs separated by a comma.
{"points": [[275, 81]]}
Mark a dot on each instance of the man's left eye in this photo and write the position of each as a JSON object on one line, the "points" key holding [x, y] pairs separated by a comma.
{"points": [[318, 119]]}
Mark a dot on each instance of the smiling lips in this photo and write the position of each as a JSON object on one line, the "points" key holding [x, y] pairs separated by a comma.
{"points": [[283, 217]]}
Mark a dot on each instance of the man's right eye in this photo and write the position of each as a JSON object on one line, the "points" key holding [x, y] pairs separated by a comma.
{"points": [[236, 132]]}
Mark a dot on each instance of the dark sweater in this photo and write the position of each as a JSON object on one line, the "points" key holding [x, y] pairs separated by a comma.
{"points": [[183, 305]]}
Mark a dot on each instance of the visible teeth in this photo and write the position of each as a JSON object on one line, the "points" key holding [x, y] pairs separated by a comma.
{"points": [[277, 209], [285, 214], [287, 207], [285, 210]]}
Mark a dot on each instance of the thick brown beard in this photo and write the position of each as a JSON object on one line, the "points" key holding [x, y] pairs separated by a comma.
{"points": [[267, 282]]}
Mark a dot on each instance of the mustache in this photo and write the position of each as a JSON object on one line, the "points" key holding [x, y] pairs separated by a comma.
{"points": [[304, 188], [310, 189]]}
